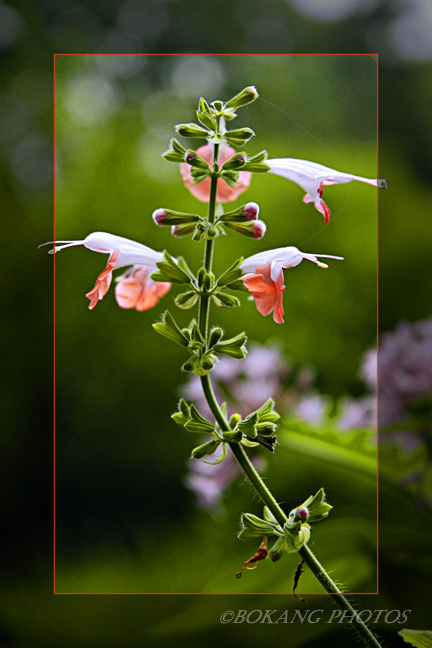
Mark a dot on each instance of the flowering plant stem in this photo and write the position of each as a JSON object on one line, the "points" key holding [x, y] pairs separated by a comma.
{"points": [[243, 460]]}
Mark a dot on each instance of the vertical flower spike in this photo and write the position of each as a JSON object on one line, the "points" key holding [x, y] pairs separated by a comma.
{"points": [[313, 177], [201, 191], [138, 291], [264, 276]]}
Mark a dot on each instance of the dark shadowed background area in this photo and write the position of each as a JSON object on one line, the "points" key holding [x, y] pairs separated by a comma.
{"points": [[125, 519]]}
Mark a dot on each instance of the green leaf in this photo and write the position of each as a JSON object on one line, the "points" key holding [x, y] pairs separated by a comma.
{"points": [[352, 449], [417, 638], [169, 329]]}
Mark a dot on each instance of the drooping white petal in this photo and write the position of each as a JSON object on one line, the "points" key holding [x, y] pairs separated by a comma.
{"points": [[309, 175], [286, 257], [130, 252]]}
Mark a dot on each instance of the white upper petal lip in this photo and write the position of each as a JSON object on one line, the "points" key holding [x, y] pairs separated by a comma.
{"points": [[130, 252], [279, 258], [309, 175]]}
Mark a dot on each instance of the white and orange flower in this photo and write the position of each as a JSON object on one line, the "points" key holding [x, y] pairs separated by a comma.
{"points": [[135, 289], [265, 280], [313, 177], [224, 194]]}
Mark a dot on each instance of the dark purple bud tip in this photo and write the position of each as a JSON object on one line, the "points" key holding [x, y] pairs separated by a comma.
{"points": [[251, 211], [259, 229], [241, 159], [302, 513], [159, 216], [190, 156], [275, 557]]}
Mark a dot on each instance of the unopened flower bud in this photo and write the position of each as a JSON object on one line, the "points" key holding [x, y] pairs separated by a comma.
{"points": [[159, 215], [302, 513], [182, 230], [246, 96], [259, 229], [190, 156], [251, 211]]}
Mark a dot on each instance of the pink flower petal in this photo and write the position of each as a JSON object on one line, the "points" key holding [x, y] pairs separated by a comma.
{"points": [[267, 293], [103, 282]]}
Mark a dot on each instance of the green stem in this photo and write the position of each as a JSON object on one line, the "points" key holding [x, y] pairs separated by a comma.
{"points": [[204, 307], [267, 498], [243, 460]]}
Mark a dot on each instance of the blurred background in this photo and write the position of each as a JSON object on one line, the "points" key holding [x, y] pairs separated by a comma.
{"points": [[132, 515]]}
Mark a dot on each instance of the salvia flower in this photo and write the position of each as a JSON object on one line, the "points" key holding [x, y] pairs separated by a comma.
{"points": [[313, 177], [136, 289], [201, 191], [265, 280]]}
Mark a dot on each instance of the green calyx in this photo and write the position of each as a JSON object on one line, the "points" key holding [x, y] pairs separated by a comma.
{"points": [[173, 270], [191, 130], [243, 162], [255, 527], [239, 136], [243, 98], [317, 507], [192, 420], [256, 429], [232, 274], [206, 115], [176, 152], [205, 231]]}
